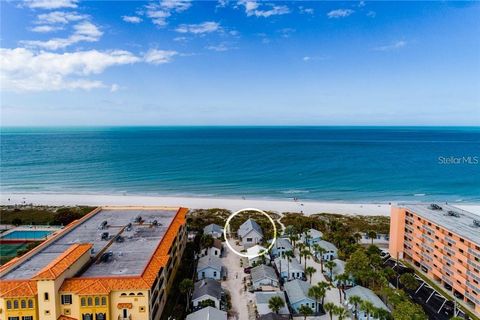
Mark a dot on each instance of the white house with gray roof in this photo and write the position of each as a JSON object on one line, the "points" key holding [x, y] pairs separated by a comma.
{"points": [[314, 237], [281, 246], [297, 293], [331, 250], [250, 233], [207, 289], [366, 295], [208, 313], [289, 269], [262, 298], [264, 278], [257, 254], [336, 271], [209, 267], [214, 230]]}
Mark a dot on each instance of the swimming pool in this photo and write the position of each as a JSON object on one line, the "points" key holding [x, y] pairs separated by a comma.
{"points": [[26, 234]]}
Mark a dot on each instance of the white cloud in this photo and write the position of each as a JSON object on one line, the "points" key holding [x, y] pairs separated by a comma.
{"points": [[175, 5], [339, 13], [45, 29], [306, 58], [159, 12], [393, 46], [361, 4], [22, 69], [155, 56], [159, 16], [59, 17], [222, 3], [27, 70], [252, 8], [83, 32], [205, 27], [132, 19], [371, 14], [219, 48], [306, 10], [50, 4]]}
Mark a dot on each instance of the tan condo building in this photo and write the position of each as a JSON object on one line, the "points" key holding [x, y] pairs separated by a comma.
{"points": [[115, 263], [444, 242]]}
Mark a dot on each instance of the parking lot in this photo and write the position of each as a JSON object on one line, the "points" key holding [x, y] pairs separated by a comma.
{"points": [[436, 306]]}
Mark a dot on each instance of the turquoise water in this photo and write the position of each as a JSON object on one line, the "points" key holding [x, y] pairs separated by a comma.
{"points": [[26, 234], [318, 163]]}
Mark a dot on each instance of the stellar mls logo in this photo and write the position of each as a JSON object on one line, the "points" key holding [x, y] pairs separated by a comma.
{"points": [[468, 160]]}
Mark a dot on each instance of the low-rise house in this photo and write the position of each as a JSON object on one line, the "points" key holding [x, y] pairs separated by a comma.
{"points": [[289, 269], [366, 295], [208, 313], [259, 255], [209, 267], [250, 233], [281, 246], [207, 289], [314, 236], [297, 293], [338, 270], [331, 251], [214, 230], [262, 298], [264, 278], [215, 250], [274, 316]]}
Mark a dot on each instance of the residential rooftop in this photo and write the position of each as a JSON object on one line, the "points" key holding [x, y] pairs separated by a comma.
{"points": [[297, 290], [207, 287], [366, 295], [208, 313], [261, 272], [458, 221], [248, 226], [128, 256]]}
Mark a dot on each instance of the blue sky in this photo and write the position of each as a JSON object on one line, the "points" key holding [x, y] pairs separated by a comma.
{"points": [[176, 62]]}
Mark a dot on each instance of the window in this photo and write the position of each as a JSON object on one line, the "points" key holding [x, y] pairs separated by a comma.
{"points": [[203, 275], [66, 299], [27, 318], [9, 304], [66, 311], [87, 316], [13, 318], [30, 304], [82, 302], [23, 304], [45, 296], [249, 239], [89, 301], [97, 301], [141, 309], [15, 304], [139, 294], [104, 301], [214, 273], [100, 316]]}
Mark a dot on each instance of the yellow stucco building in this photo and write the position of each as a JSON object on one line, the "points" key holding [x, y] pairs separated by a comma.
{"points": [[116, 263]]}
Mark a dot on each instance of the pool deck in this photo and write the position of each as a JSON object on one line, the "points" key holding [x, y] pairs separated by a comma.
{"points": [[4, 237]]}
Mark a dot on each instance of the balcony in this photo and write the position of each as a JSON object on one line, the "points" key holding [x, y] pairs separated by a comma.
{"points": [[129, 317]]}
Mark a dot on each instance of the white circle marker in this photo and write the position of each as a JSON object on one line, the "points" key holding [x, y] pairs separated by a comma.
{"points": [[250, 256]]}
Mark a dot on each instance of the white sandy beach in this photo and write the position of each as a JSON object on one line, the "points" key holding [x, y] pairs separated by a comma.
{"points": [[307, 207]]}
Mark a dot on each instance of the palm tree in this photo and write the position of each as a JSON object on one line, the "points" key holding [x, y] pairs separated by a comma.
{"points": [[341, 282], [372, 235], [185, 287], [320, 251], [330, 265], [380, 314], [356, 301], [330, 308], [305, 311], [341, 313], [357, 236], [368, 308], [300, 247], [318, 293], [310, 271], [306, 255], [288, 256], [276, 303], [324, 286]]}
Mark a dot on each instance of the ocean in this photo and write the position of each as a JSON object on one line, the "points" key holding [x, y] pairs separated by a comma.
{"points": [[364, 164]]}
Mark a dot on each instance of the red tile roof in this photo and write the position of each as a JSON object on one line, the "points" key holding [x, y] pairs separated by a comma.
{"points": [[18, 288]]}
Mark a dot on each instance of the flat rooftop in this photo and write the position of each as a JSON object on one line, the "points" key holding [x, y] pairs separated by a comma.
{"points": [[130, 256], [462, 224]]}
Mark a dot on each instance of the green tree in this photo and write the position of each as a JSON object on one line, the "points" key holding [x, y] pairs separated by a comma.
{"points": [[310, 271], [330, 265], [341, 282], [341, 313], [185, 287], [288, 255], [372, 235], [320, 251], [409, 281], [330, 307], [368, 308], [357, 236], [318, 292], [306, 255], [406, 310], [207, 303], [305, 311], [356, 301], [207, 241], [275, 303], [359, 266]]}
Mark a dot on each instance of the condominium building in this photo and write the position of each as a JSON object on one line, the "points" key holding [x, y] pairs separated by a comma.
{"points": [[115, 263], [444, 242]]}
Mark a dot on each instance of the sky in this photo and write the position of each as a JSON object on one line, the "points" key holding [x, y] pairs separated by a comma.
{"points": [[180, 62]]}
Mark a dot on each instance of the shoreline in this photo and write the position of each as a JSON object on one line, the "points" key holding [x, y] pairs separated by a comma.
{"points": [[308, 207]]}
